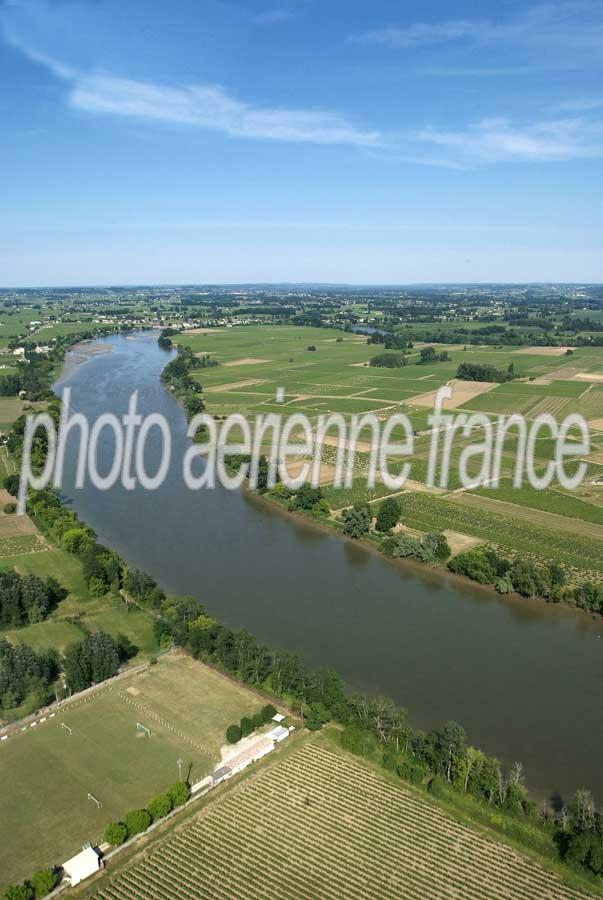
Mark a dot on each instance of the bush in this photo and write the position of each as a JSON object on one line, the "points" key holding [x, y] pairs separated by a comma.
{"points": [[389, 514], [388, 361], [137, 820], [233, 734], [258, 720], [11, 484], [268, 712], [44, 881], [246, 726], [160, 806], [115, 833], [179, 793], [9, 508], [357, 520], [359, 741], [19, 892]]}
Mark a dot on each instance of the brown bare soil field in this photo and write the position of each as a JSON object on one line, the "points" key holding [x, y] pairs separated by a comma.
{"points": [[544, 351], [233, 385], [246, 361], [588, 376], [14, 525], [462, 392], [327, 471]]}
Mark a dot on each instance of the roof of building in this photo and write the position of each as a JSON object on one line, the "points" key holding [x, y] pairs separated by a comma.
{"points": [[222, 772], [279, 733], [279, 717], [82, 865]]}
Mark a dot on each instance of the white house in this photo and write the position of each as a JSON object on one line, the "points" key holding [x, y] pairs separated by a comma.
{"points": [[81, 866]]}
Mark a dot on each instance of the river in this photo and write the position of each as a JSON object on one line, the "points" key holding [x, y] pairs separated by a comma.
{"points": [[524, 678]]}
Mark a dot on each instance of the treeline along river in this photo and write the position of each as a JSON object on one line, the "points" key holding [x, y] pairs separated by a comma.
{"points": [[524, 678]]}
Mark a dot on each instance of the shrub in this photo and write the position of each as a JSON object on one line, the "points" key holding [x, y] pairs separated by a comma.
{"points": [[11, 484], [389, 514], [268, 712], [19, 892], [116, 833], [179, 793], [358, 740], [9, 508], [160, 806], [388, 361], [258, 720], [233, 734], [137, 820], [44, 881], [357, 520], [246, 726]]}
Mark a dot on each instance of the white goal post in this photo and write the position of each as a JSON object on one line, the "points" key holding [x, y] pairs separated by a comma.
{"points": [[94, 800], [141, 727], [65, 725]]}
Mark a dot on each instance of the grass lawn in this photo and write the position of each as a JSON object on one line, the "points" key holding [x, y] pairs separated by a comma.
{"points": [[46, 815]]}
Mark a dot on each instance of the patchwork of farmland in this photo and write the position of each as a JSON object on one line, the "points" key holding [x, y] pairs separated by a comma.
{"points": [[318, 823], [335, 377]]}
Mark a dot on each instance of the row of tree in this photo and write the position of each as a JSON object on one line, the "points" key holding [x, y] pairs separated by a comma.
{"points": [[138, 820], [177, 378], [484, 372], [249, 724]]}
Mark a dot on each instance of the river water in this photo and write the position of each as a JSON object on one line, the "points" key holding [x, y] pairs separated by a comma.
{"points": [[524, 678]]}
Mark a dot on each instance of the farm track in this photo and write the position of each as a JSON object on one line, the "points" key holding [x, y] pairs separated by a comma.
{"points": [[319, 824]]}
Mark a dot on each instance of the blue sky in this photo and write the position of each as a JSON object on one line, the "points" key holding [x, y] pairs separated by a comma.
{"points": [[303, 141]]}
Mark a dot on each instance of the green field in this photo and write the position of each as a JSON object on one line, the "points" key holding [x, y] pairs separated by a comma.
{"points": [[315, 822], [46, 815], [254, 361]]}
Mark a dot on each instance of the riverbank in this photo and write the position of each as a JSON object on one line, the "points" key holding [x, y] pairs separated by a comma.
{"points": [[441, 646], [438, 573]]}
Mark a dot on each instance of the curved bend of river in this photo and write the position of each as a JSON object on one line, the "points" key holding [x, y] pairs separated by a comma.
{"points": [[525, 679]]}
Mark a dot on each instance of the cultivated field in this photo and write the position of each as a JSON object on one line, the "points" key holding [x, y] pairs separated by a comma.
{"points": [[319, 823], [46, 815], [336, 377]]}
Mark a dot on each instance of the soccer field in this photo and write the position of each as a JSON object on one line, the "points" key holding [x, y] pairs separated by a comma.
{"points": [[47, 772]]}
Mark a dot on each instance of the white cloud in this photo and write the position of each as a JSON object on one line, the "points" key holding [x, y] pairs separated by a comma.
{"points": [[210, 106], [202, 106], [568, 25], [499, 140]]}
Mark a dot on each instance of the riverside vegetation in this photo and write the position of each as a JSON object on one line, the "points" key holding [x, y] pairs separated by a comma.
{"points": [[439, 761]]}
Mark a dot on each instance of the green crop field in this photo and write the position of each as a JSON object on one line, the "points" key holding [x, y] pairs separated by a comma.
{"points": [[335, 378], [316, 822], [46, 816]]}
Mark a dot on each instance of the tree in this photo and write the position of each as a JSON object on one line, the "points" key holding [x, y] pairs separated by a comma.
{"points": [[388, 515], [11, 484], [233, 734], [268, 712], [357, 520], [44, 881], [160, 806], [116, 833], [77, 541], [246, 726], [137, 820], [178, 793]]}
